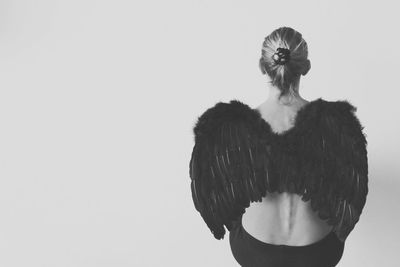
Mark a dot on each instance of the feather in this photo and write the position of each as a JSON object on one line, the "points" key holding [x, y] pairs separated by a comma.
{"points": [[237, 159]]}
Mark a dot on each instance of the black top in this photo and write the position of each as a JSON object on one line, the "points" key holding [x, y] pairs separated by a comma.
{"points": [[237, 159]]}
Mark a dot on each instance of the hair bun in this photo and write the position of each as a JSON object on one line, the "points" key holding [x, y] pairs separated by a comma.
{"points": [[281, 56]]}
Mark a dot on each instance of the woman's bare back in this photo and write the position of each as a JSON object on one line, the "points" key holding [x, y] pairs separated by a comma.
{"points": [[283, 218]]}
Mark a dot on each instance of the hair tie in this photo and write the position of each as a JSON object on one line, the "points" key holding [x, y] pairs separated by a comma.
{"points": [[282, 56]]}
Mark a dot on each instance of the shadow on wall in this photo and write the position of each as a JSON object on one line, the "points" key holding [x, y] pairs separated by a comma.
{"points": [[375, 242]]}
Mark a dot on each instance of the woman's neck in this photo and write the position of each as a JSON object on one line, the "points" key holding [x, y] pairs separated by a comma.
{"points": [[289, 101]]}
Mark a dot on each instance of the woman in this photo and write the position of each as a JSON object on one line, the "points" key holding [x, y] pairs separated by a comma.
{"points": [[288, 179]]}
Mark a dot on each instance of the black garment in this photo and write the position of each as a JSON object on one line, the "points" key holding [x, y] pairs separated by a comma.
{"points": [[251, 252], [237, 159]]}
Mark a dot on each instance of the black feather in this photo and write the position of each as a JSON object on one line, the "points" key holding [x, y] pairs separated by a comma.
{"points": [[237, 159]]}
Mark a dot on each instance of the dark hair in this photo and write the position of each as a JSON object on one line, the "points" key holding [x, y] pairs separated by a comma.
{"points": [[285, 76]]}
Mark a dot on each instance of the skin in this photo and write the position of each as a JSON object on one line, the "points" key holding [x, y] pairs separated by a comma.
{"points": [[283, 218]]}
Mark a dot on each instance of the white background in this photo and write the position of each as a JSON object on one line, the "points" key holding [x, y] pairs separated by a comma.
{"points": [[97, 104]]}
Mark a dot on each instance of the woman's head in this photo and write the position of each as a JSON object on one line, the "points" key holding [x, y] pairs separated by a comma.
{"points": [[284, 58]]}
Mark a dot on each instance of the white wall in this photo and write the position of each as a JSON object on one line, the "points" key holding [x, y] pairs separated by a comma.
{"points": [[97, 104]]}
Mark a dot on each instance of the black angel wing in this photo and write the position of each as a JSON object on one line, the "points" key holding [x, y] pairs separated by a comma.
{"points": [[230, 164], [336, 166], [237, 159]]}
